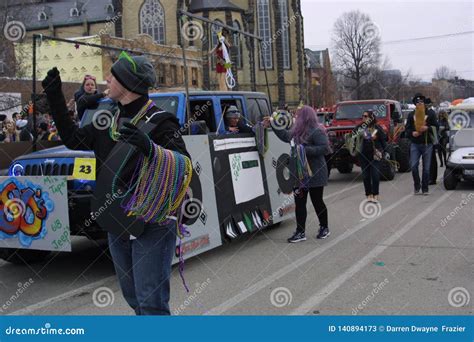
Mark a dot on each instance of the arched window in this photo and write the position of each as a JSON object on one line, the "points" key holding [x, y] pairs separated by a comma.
{"points": [[265, 31], [74, 12], [152, 20], [237, 45], [214, 30], [42, 16], [285, 29], [110, 9]]}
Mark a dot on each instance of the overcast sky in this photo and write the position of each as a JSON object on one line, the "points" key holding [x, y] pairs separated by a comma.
{"points": [[400, 20]]}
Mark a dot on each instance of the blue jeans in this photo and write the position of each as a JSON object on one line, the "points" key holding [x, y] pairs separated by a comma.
{"points": [[370, 174], [143, 267], [425, 152]]}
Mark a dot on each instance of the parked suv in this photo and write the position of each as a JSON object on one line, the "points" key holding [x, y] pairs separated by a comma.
{"points": [[389, 116]]}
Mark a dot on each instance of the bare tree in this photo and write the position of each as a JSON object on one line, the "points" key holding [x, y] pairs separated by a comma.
{"points": [[444, 73], [356, 48], [14, 14]]}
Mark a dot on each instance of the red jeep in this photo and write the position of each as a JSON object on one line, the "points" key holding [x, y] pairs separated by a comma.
{"points": [[389, 116]]}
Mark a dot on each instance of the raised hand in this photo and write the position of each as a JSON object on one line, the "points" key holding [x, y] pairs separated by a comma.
{"points": [[52, 84]]}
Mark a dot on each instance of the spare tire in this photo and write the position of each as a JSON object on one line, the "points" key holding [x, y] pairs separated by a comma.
{"points": [[285, 173]]}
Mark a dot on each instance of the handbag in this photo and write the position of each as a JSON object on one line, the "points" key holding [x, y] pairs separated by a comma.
{"points": [[378, 156]]}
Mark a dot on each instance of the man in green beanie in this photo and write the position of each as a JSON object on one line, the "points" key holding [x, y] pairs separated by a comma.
{"points": [[142, 263]]}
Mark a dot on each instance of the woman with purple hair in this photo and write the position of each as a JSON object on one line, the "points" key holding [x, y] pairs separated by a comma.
{"points": [[309, 145]]}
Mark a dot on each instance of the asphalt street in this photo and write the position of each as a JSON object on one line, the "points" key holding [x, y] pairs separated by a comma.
{"points": [[412, 255]]}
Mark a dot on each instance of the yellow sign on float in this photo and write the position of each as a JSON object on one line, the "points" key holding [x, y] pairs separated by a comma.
{"points": [[84, 169]]}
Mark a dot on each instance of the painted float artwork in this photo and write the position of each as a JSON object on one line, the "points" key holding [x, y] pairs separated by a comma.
{"points": [[34, 213]]}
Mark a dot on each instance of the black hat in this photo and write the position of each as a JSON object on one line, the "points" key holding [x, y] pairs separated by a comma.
{"points": [[135, 74], [418, 97]]}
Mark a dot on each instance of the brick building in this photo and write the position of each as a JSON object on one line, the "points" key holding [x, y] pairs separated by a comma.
{"points": [[320, 81], [278, 22]]}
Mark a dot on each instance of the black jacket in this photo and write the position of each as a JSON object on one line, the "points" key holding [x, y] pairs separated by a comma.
{"points": [[86, 101], [380, 142], [316, 148], [98, 140], [243, 128], [425, 137]]}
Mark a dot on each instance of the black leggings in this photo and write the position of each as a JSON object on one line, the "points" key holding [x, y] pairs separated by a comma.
{"points": [[301, 196], [442, 150]]}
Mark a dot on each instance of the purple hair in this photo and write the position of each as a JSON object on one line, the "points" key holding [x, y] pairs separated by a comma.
{"points": [[306, 121]]}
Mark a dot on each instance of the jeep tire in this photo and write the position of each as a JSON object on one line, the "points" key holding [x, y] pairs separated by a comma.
{"points": [[387, 170], [345, 168], [23, 256]]}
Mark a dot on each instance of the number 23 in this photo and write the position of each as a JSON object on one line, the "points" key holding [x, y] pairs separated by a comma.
{"points": [[87, 169]]}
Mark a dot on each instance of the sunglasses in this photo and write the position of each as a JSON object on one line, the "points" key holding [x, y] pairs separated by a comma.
{"points": [[365, 116]]}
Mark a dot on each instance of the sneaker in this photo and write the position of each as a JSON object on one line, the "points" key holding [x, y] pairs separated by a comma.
{"points": [[426, 193], [323, 233], [416, 192], [297, 237]]}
